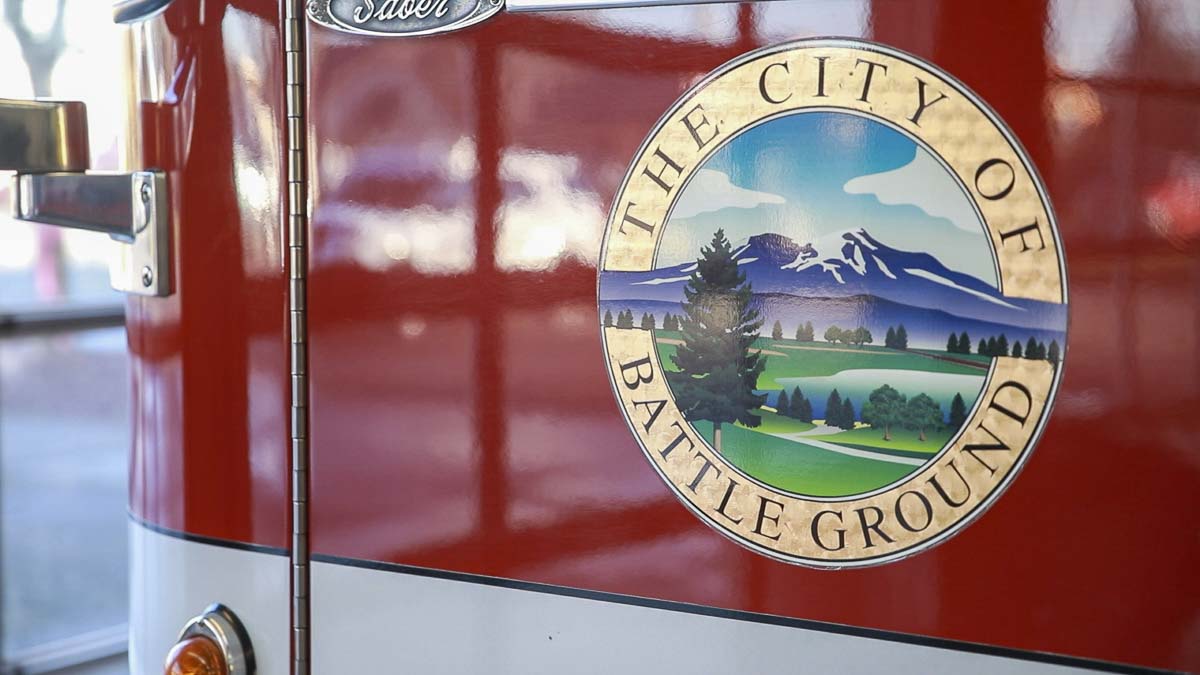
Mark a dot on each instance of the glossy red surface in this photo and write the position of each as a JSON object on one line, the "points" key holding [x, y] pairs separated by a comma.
{"points": [[461, 417], [210, 452]]}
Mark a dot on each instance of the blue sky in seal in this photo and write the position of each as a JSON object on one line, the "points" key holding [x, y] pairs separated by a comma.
{"points": [[790, 176]]}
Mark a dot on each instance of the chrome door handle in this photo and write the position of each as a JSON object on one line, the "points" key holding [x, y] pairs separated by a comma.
{"points": [[45, 142]]}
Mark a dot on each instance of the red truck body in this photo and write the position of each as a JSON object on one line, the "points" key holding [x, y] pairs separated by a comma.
{"points": [[462, 434]]}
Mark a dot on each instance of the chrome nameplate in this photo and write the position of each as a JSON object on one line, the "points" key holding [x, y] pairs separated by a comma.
{"points": [[401, 17]]}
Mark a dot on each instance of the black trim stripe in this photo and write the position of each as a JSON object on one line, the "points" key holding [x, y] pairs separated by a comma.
{"points": [[211, 541], [672, 606]]}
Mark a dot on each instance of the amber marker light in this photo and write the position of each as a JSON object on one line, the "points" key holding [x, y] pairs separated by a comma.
{"points": [[196, 655], [213, 643]]}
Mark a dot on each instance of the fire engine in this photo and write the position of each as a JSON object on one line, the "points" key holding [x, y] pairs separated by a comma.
{"points": [[548, 336]]}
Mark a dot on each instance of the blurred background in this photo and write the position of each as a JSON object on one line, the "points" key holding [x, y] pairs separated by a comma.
{"points": [[64, 409]]}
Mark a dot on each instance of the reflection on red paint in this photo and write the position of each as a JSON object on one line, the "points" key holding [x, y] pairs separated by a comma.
{"points": [[1173, 207], [210, 362]]}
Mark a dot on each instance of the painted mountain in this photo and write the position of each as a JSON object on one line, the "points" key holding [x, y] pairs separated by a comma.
{"points": [[849, 280]]}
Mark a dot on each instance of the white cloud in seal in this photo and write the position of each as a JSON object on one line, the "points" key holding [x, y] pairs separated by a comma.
{"points": [[711, 190], [923, 183]]}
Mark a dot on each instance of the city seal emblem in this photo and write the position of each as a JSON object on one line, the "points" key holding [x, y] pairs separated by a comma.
{"points": [[834, 303]]}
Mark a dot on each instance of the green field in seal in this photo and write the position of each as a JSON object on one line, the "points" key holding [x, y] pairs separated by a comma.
{"points": [[800, 468], [807, 459]]}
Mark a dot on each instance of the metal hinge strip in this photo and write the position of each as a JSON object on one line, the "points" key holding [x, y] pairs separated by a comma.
{"points": [[297, 271]]}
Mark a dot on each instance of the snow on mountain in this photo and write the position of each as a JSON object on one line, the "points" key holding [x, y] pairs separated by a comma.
{"points": [[848, 264]]}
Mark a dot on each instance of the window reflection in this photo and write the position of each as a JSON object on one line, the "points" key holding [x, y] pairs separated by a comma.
{"points": [[1088, 37], [396, 172], [254, 96], [547, 215], [1121, 104], [369, 222]]}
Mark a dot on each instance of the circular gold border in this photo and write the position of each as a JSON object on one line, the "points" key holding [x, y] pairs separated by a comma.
{"points": [[1014, 404]]}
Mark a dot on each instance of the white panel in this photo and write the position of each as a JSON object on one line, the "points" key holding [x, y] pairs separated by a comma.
{"points": [[371, 621], [173, 580]]}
